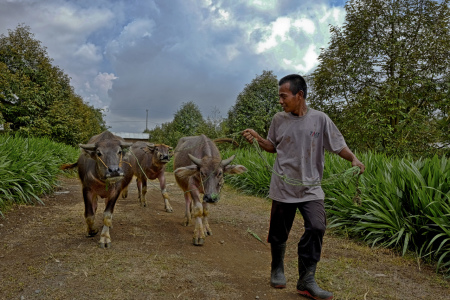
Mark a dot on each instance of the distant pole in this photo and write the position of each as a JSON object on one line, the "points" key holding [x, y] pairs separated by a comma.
{"points": [[146, 122]]}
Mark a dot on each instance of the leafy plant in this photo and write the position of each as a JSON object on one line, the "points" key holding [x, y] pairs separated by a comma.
{"points": [[29, 168]]}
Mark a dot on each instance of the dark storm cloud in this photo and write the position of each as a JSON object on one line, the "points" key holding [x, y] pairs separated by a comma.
{"points": [[132, 56]]}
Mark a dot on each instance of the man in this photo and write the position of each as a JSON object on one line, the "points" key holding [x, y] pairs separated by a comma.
{"points": [[299, 136]]}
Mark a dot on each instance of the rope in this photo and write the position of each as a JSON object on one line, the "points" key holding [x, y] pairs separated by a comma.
{"points": [[353, 172], [292, 181]]}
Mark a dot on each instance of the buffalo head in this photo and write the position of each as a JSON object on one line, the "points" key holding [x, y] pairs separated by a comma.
{"points": [[162, 153], [208, 174], [109, 156]]}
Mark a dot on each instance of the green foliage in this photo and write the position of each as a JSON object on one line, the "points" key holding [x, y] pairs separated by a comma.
{"points": [[29, 167], [188, 121], [36, 98], [384, 77], [255, 105], [405, 205], [214, 126], [257, 179]]}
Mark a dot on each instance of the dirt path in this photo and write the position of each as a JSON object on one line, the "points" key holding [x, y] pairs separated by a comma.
{"points": [[44, 254]]}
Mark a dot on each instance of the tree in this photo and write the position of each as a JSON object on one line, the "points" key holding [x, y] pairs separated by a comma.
{"points": [[255, 105], [166, 134], [186, 122], [188, 118], [384, 77], [214, 126], [36, 97]]}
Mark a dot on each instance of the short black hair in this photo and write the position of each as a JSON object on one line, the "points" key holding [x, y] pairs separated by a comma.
{"points": [[296, 84]]}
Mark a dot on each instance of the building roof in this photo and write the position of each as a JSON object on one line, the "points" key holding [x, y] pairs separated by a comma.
{"points": [[131, 135]]}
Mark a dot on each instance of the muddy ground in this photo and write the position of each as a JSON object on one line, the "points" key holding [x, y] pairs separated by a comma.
{"points": [[44, 254]]}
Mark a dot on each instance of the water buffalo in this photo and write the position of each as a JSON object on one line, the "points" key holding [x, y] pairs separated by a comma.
{"points": [[149, 162], [199, 169], [104, 172]]}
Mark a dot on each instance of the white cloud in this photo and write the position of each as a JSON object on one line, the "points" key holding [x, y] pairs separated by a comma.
{"points": [[131, 34], [305, 24], [104, 81], [265, 5], [309, 59], [278, 30], [88, 53]]}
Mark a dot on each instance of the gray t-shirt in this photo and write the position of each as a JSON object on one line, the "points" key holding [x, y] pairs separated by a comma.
{"points": [[300, 143]]}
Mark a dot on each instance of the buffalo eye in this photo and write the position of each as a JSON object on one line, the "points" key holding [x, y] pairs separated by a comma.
{"points": [[219, 174], [98, 153]]}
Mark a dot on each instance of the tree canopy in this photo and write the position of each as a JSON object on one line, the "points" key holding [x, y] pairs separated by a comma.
{"points": [[255, 105], [384, 77], [36, 98]]}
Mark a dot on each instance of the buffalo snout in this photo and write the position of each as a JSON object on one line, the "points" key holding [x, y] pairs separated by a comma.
{"points": [[211, 198], [114, 171]]}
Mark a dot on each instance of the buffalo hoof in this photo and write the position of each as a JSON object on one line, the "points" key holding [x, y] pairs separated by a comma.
{"points": [[169, 209], [198, 241], [104, 246], [92, 233]]}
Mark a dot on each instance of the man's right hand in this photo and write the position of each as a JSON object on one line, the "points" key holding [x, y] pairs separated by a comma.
{"points": [[249, 135]]}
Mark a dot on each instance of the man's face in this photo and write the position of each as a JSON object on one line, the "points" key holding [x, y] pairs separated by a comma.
{"points": [[289, 102]]}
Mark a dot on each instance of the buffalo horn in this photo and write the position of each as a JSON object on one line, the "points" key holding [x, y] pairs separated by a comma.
{"points": [[90, 147], [225, 162], [125, 145], [195, 160]]}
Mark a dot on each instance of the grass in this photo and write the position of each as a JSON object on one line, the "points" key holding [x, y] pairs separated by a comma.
{"points": [[29, 168]]}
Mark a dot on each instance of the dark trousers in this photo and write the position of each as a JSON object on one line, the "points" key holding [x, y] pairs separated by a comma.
{"points": [[281, 218]]}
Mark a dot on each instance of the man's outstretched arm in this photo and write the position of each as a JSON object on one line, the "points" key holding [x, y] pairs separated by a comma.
{"points": [[347, 154], [266, 145]]}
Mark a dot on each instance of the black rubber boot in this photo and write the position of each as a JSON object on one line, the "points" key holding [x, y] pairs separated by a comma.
{"points": [[306, 285], [277, 278]]}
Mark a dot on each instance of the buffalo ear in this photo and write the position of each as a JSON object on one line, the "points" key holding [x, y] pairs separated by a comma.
{"points": [[186, 172], [235, 169]]}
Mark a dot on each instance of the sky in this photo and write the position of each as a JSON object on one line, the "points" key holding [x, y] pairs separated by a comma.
{"points": [[140, 60]]}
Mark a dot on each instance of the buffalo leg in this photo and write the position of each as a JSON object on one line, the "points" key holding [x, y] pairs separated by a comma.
{"points": [[90, 207], [105, 238], [205, 219], [144, 192], [139, 187], [197, 213], [162, 185], [187, 212], [125, 192]]}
